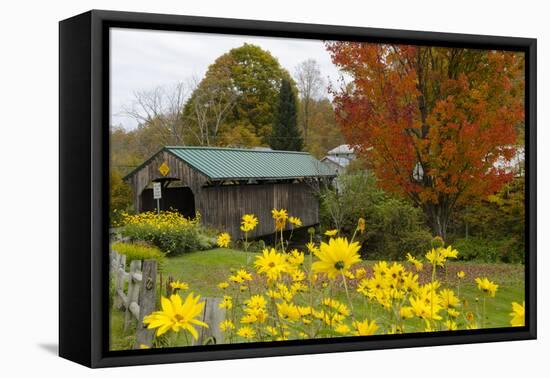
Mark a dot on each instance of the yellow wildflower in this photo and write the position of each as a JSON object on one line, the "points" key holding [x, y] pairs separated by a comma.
{"points": [[435, 257], [285, 292], [256, 301], [518, 315], [280, 217], [176, 315], [349, 275], [380, 269], [223, 285], [365, 328], [295, 221], [298, 275], [223, 240], [406, 312], [235, 278], [248, 318], [246, 332], [288, 311], [449, 252], [337, 306], [342, 328], [248, 222], [244, 275], [298, 287], [448, 299], [295, 258], [271, 263], [312, 248], [331, 232], [361, 225], [422, 308], [272, 330], [227, 325], [417, 263], [360, 273], [486, 286], [452, 312], [410, 282], [363, 287], [396, 271], [227, 302], [336, 257], [305, 310], [273, 294], [451, 325], [177, 285], [461, 274]]}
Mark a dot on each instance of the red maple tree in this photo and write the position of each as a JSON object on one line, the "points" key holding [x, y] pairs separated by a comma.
{"points": [[431, 122]]}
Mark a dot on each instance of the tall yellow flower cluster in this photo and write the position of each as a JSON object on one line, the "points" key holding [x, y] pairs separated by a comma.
{"points": [[328, 291], [164, 219], [300, 300], [170, 231]]}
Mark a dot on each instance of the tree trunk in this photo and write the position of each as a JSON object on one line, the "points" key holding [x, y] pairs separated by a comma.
{"points": [[438, 218]]}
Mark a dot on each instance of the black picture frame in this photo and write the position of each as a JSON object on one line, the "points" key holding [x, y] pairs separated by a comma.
{"points": [[84, 196]]}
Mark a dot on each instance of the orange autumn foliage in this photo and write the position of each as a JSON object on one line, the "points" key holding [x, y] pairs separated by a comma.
{"points": [[431, 122]]}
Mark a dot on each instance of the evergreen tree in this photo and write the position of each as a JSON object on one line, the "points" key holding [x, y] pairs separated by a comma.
{"points": [[286, 135]]}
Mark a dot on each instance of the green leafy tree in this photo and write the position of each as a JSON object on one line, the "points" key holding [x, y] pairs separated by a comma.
{"points": [[245, 82], [121, 195], [324, 132], [286, 135]]}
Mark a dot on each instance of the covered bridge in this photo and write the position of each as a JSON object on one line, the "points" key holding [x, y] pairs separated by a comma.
{"points": [[225, 183]]}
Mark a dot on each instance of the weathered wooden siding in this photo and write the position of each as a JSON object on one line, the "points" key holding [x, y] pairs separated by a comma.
{"points": [[178, 170], [223, 206]]}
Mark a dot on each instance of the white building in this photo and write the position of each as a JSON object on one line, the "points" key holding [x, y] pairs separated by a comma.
{"points": [[339, 158]]}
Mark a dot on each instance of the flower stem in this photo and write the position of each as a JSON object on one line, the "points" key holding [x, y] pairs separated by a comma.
{"points": [[347, 295], [353, 237], [483, 313], [246, 248]]}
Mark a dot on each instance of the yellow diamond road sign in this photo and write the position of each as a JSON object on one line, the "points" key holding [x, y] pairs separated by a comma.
{"points": [[164, 169]]}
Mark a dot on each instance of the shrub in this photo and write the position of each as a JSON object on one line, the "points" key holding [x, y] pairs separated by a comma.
{"points": [[138, 251], [494, 223], [120, 197], [253, 246], [490, 251], [393, 225], [170, 231]]}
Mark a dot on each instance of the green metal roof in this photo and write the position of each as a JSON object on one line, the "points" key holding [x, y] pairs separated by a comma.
{"points": [[236, 163]]}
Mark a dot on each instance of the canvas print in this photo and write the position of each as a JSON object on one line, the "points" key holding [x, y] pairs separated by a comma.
{"points": [[272, 189]]}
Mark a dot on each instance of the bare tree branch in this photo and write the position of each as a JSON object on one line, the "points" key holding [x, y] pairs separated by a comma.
{"points": [[309, 82], [161, 109]]}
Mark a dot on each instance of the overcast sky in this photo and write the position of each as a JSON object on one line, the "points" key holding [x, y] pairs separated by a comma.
{"points": [[143, 59]]}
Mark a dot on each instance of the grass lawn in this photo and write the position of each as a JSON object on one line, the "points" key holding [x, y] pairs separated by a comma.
{"points": [[205, 269]]}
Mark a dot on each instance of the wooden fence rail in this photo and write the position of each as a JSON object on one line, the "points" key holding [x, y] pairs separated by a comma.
{"points": [[139, 298]]}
